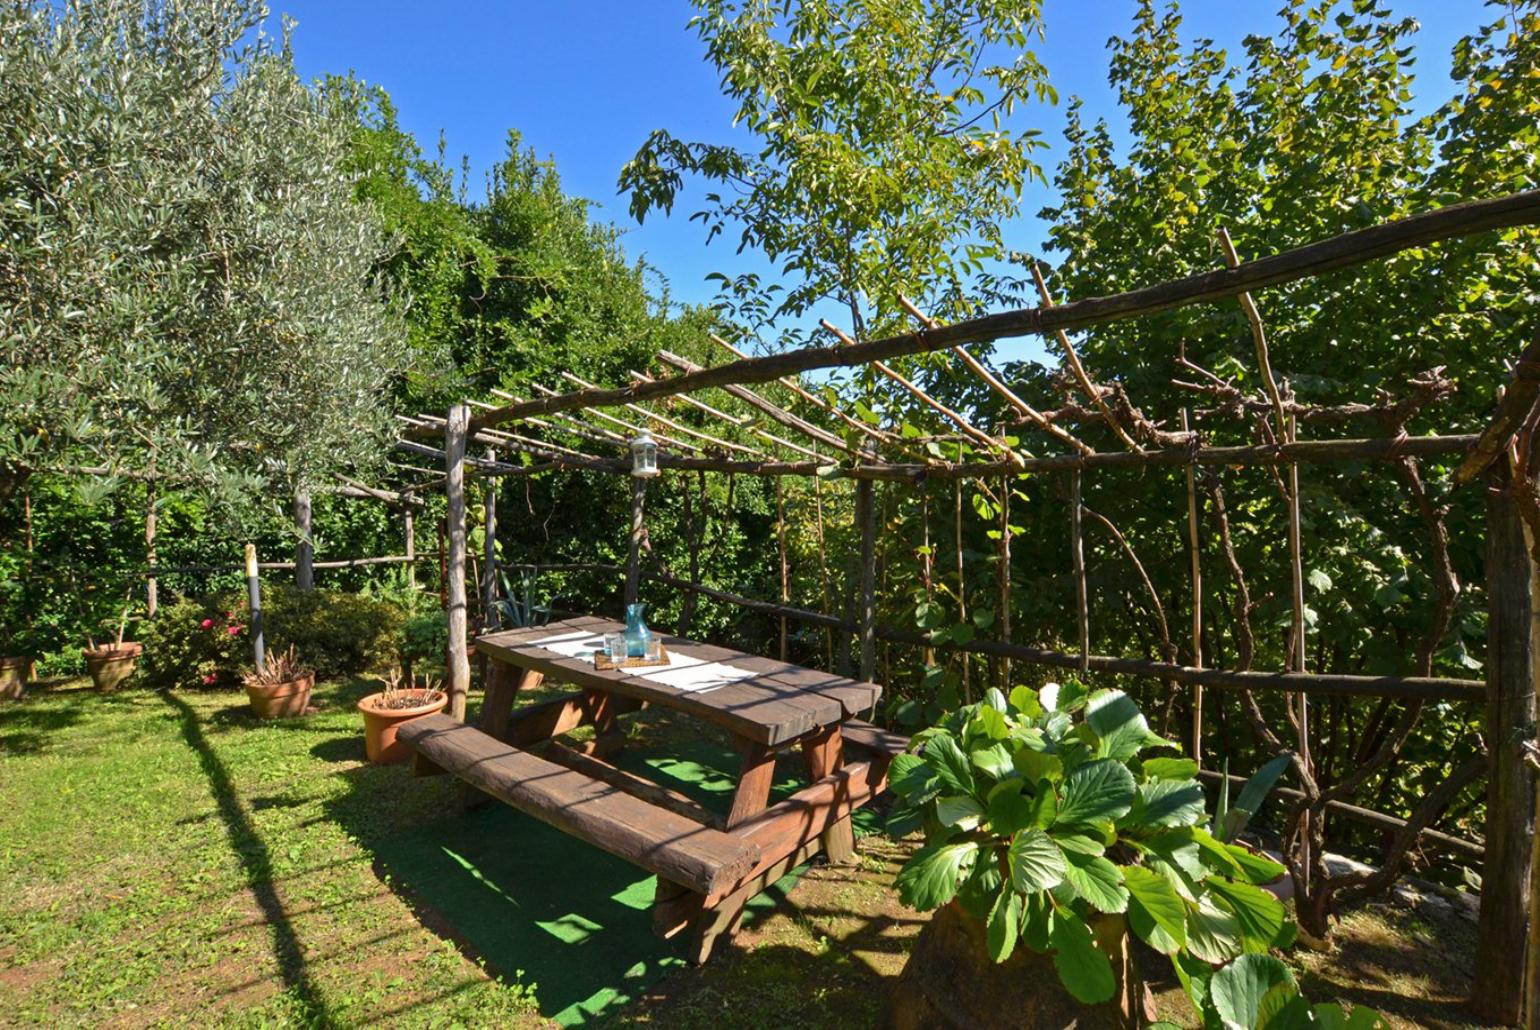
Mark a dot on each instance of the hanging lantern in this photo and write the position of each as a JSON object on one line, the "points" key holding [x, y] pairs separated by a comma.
{"points": [[644, 455]]}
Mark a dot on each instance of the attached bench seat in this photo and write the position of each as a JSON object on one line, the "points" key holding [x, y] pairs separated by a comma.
{"points": [[676, 848], [874, 740]]}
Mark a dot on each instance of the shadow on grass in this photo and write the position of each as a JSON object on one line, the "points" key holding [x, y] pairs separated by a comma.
{"points": [[541, 909], [257, 863], [25, 728]]}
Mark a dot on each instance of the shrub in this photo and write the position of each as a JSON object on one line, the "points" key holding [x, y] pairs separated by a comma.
{"points": [[1043, 809], [207, 641], [424, 639]]}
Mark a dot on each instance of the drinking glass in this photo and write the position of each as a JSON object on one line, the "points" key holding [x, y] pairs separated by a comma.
{"points": [[615, 645], [654, 649]]}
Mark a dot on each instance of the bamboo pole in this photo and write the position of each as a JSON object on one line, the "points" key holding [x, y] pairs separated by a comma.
{"points": [[962, 578], [457, 661], [823, 567], [1010, 396], [1077, 554], [1072, 359], [969, 430], [780, 541], [630, 427], [1271, 454], [1304, 262], [1197, 604], [664, 420], [754, 400], [1005, 580], [409, 531]]}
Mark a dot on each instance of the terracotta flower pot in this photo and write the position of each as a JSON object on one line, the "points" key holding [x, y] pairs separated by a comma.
{"points": [[381, 724], [13, 676], [281, 700], [111, 665]]}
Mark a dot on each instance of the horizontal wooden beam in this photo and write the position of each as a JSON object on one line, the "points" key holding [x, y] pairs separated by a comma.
{"points": [[1434, 839], [1302, 451], [1344, 251]]}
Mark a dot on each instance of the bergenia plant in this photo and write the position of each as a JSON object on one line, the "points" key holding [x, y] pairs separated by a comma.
{"points": [[1045, 809]]}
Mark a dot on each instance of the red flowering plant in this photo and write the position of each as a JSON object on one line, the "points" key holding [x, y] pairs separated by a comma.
{"points": [[195, 643]]}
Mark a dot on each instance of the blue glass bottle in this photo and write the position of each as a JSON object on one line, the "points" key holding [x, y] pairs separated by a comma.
{"points": [[638, 636]]}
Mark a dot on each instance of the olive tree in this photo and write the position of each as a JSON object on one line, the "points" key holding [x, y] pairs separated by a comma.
{"points": [[187, 285]]}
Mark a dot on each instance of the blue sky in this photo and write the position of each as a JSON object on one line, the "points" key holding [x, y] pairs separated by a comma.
{"points": [[585, 81]]}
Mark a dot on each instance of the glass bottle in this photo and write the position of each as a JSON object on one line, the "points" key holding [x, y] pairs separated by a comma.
{"points": [[637, 633]]}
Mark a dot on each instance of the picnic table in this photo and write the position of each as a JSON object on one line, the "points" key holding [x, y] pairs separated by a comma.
{"points": [[708, 865]]}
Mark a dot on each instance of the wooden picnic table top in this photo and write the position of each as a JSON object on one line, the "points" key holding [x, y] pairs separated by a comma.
{"points": [[778, 703]]}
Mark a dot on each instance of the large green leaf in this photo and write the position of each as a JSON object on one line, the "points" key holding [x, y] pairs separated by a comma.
{"points": [[1003, 925], [993, 761], [1213, 933], [1096, 880], [1155, 911], [1259, 914], [1120, 727], [1169, 768], [1036, 861], [1008, 808], [1098, 790], [1037, 765], [929, 879], [911, 776], [959, 810], [1237, 990], [949, 763], [1169, 803], [1082, 966]]}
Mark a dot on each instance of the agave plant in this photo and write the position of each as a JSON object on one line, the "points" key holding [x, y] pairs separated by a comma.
{"points": [[1045, 810]]}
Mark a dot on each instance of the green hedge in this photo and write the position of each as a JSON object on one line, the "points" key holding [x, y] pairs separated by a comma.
{"points": [[206, 641]]}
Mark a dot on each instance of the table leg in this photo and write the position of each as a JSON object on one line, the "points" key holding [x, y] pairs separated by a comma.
{"points": [[824, 753], [754, 779], [504, 683], [609, 737]]}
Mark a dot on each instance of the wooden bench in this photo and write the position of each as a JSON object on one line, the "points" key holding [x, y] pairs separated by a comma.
{"points": [[678, 849], [873, 740]]}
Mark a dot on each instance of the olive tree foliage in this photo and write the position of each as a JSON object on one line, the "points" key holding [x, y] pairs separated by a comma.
{"points": [[884, 158], [187, 284]]}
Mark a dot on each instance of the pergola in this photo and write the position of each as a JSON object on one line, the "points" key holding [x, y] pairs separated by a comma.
{"points": [[573, 430]]}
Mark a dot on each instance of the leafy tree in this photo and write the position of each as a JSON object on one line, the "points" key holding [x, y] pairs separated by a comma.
{"points": [[187, 284], [884, 161]]}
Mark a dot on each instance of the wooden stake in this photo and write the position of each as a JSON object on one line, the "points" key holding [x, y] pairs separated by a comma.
{"points": [[254, 599], [456, 429], [304, 549], [1196, 748], [962, 578], [866, 613], [823, 569]]}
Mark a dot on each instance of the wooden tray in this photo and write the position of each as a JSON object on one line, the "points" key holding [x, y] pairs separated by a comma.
{"points": [[605, 662]]}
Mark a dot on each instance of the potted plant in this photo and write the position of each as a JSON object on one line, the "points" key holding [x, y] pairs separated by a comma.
{"points": [[1053, 827], [281, 688], [13, 676], [112, 664], [386, 711]]}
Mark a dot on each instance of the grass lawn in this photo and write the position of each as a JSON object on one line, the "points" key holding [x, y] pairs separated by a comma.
{"points": [[167, 860]]}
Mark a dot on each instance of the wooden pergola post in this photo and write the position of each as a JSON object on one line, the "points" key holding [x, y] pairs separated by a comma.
{"points": [[634, 542], [409, 529], [151, 585], [866, 606], [304, 550], [457, 662], [489, 545], [1513, 666]]}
